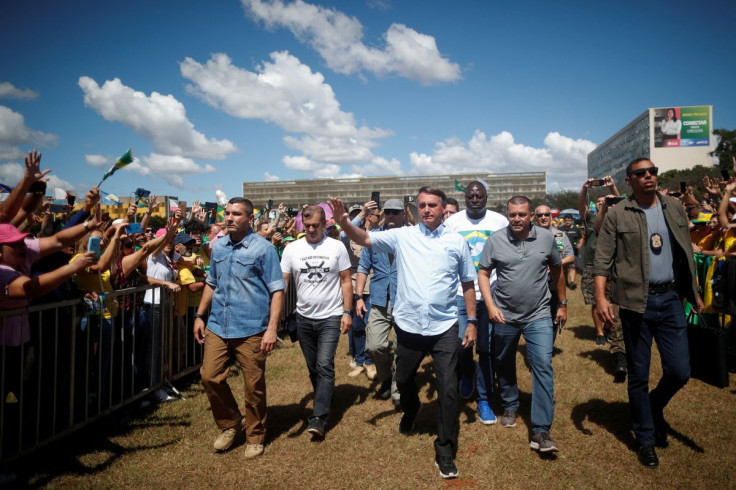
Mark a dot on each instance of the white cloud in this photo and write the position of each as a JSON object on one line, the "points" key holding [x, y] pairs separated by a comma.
{"points": [[171, 168], [99, 161], [284, 91], [159, 118], [269, 177], [338, 39], [304, 164], [287, 93], [379, 166], [13, 131], [564, 159], [9, 91], [11, 173]]}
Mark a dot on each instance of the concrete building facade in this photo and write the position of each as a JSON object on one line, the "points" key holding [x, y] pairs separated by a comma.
{"points": [[646, 136], [294, 193]]}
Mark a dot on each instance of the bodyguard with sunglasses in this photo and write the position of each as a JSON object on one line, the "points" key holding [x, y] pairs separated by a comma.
{"points": [[644, 248]]}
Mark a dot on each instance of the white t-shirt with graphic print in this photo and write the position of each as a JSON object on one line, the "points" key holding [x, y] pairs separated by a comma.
{"points": [[316, 272]]}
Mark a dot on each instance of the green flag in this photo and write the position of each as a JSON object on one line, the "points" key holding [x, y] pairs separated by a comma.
{"points": [[459, 187], [124, 160]]}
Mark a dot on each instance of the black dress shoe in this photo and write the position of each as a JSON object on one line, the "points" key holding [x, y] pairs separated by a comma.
{"points": [[619, 375], [384, 390], [648, 456]]}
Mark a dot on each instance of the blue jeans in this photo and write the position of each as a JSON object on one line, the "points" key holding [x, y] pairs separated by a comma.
{"points": [[663, 320], [483, 346], [318, 340], [539, 338], [148, 345], [356, 336]]}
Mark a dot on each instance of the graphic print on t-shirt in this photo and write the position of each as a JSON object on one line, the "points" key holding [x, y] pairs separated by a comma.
{"points": [[314, 270], [476, 239]]}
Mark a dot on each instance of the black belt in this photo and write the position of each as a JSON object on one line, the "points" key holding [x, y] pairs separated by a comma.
{"points": [[662, 288]]}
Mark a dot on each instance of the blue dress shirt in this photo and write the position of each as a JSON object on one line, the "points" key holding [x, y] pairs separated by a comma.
{"points": [[383, 282], [243, 275], [430, 266]]}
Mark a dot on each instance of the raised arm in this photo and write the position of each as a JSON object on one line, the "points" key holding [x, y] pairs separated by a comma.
{"points": [[723, 206], [10, 207], [358, 235]]}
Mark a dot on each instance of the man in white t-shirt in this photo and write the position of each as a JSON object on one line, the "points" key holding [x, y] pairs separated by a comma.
{"points": [[321, 270], [475, 223]]}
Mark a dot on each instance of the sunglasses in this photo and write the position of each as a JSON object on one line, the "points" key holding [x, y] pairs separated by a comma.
{"points": [[375, 215], [391, 211], [640, 172], [544, 215]]}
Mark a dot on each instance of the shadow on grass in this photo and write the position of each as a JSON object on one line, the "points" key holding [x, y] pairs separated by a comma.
{"points": [[67, 455], [609, 415], [283, 418], [602, 357], [584, 332]]}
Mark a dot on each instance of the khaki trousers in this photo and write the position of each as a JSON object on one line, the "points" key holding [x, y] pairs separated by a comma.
{"points": [[219, 355]]}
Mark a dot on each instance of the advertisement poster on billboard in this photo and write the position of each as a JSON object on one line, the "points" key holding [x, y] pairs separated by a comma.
{"points": [[676, 127]]}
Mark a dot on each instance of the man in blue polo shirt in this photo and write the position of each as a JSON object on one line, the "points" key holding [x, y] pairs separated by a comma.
{"points": [[431, 261], [245, 276]]}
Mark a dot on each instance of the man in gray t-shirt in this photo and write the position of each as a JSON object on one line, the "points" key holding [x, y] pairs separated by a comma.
{"points": [[520, 304]]}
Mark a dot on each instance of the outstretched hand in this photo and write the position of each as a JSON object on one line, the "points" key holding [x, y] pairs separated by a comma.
{"points": [[338, 210]]}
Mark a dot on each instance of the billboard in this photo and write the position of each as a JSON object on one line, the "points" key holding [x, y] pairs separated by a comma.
{"points": [[676, 127]]}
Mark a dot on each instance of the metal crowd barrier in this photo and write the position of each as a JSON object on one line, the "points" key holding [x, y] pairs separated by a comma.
{"points": [[78, 366]]}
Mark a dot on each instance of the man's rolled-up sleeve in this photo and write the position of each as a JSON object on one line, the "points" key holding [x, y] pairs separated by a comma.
{"points": [[272, 275]]}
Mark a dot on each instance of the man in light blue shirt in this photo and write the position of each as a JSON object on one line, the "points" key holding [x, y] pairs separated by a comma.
{"points": [[431, 262], [244, 278]]}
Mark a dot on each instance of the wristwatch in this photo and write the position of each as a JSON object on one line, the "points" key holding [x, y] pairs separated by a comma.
{"points": [[86, 225], [472, 320], [356, 297], [347, 313], [563, 303], [197, 315]]}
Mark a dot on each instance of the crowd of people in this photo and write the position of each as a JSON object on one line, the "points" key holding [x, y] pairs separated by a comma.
{"points": [[459, 284]]}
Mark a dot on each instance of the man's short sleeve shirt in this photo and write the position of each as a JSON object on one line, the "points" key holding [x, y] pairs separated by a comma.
{"points": [[521, 292], [316, 271], [243, 275], [476, 232]]}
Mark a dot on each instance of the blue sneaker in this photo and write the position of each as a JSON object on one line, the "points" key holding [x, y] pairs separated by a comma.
{"points": [[485, 413], [467, 385]]}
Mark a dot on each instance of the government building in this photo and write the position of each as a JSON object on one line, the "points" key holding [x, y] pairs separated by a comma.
{"points": [[674, 138], [295, 193]]}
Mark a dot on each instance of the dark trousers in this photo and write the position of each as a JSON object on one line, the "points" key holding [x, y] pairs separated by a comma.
{"points": [[663, 320], [318, 340], [411, 350]]}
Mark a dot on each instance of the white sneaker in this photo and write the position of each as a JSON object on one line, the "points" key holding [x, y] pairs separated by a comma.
{"points": [[356, 371], [160, 396]]}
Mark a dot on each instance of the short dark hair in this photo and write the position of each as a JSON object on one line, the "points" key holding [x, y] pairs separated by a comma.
{"points": [[453, 201], [245, 202], [634, 162], [313, 209], [433, 191], [519, 200]]}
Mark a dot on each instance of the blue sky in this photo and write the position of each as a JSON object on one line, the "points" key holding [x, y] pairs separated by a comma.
{"points": [[211, 94]]}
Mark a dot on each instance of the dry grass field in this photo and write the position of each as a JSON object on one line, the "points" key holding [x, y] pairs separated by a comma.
{"points": [[171, 445]]}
